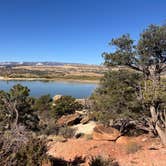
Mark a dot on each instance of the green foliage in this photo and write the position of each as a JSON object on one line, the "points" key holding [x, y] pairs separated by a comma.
{"points": [[149, 50], [19, 92], [117, 96], [151, 46], [32, 153], [48, 127], [103, 116], [61, 162], [19, 147], [66, 132], [43, 107], [43, 103], [154, 95], [124, 51], [100, 161], [15, 107], [148, 56], [66, 105]]}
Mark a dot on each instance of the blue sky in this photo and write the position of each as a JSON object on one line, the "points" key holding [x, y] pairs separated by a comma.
{"points": [[71, 30]]}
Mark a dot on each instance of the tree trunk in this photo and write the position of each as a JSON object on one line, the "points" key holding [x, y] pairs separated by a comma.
{"points": [[17, 115], [159, 124], [153, 113], [158, 117], [161, 132], [153, 120]]}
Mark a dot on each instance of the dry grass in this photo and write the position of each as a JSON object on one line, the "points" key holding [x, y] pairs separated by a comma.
{"points": [[66, 72], [132, 147]]}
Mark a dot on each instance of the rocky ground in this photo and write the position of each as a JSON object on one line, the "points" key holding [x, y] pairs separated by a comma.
{"points": [[98, 140], [150, 153]]}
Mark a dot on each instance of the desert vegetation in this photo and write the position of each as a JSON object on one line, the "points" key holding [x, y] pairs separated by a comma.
{"points": [[147, 57], [24, 120], [62, 72], [123, 115]]}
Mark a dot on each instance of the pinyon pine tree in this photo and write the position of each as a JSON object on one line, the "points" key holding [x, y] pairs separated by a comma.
{"points": [[147, 56]]}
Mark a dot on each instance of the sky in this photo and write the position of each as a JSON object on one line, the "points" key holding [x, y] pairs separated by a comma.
{"points": [[75, 31]]}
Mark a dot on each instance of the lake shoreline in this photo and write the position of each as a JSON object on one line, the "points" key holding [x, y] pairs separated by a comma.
{"points": [[42, 87], [48, 79]]}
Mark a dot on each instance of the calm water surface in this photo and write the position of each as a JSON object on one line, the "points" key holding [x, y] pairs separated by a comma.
{"points": [[39, 88]]}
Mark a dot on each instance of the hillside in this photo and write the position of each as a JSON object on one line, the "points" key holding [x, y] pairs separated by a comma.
{"points": [[51, 71]]}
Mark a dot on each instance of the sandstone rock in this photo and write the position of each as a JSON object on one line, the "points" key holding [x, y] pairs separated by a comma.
{"points": [[85, 120], [79, 147], [105, 133], [82, 112], [86, 129], [69, 120], [57, 97], [123, 140]]}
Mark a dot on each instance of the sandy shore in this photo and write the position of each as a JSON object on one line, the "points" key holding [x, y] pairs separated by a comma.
{"points": [[46, 79]]}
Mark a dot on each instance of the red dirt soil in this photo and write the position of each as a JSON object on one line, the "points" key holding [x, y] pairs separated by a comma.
{"points": [[152, 153]]}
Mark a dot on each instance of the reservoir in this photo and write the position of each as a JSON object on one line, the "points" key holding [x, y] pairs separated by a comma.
{"points": [[39, 88]]}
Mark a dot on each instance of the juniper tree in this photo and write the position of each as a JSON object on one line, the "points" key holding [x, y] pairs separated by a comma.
{"points": [[147, 56], [15, 108]]}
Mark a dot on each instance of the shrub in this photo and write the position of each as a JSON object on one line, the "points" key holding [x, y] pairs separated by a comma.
{"points": [[61, 162], [89, 137], [66, 105], [43, 103], [79, 135], [67, 132], [101, 116], [100, 161], [19, 147], [49, 128], [43, 107], [117, 96], [16, 108], [31, 154]]}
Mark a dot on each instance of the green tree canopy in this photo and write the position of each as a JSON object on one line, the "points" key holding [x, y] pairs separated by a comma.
{"points": [[148, 56], [66, 105], [16, 107], [117, 94]]}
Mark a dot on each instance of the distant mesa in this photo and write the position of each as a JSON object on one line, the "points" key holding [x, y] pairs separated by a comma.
{"points": [[11, 64]]}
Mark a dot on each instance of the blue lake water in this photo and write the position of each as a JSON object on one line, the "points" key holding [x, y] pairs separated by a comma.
{"points": [[39, 88]]}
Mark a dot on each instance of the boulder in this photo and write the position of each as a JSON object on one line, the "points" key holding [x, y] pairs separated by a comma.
{"points": [[85, 120], [82, 112], [86, 129], [101, 132], [56, 97], [69, 120]]}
